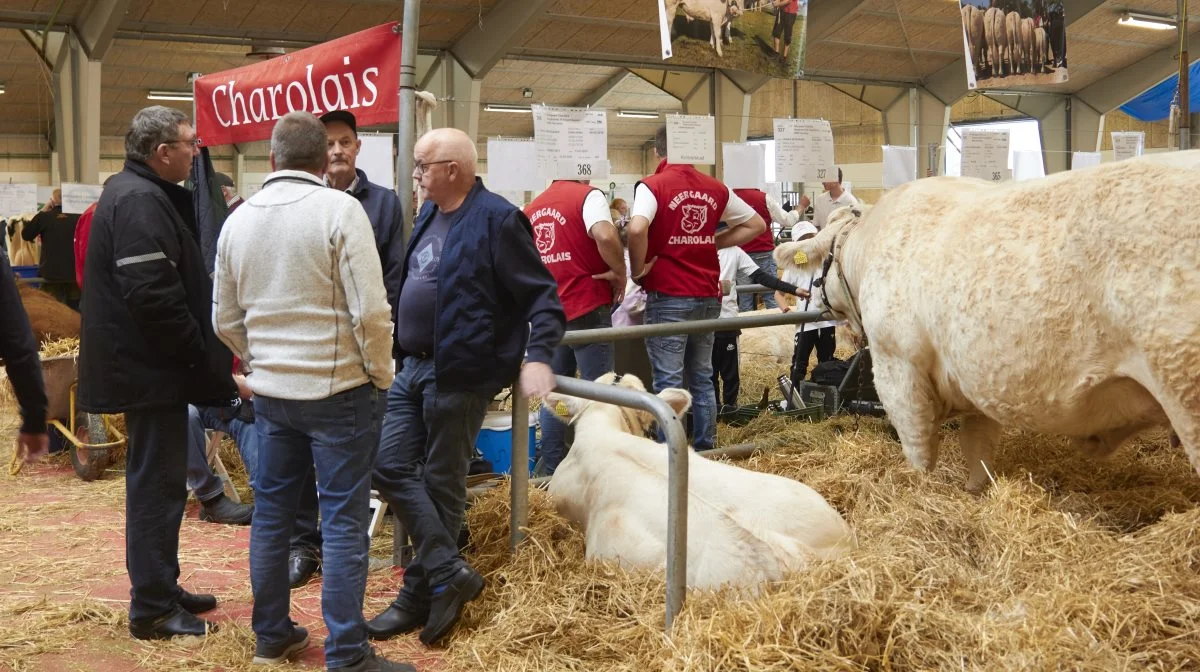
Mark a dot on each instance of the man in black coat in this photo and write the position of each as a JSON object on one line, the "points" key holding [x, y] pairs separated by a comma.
{"points": [[147, 350], [19, 350]]}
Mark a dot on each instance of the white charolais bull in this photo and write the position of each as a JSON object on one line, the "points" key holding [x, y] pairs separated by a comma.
{"points": [[972, 18], [718, 13], [744, 527], [1065, 305], [996, 36]]}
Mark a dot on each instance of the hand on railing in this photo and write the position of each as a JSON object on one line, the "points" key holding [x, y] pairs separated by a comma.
{"points": [[537, 380]]}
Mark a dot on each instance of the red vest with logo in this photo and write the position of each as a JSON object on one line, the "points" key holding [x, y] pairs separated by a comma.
{"points": [[765, 242], [566, 249], [683, 234]]}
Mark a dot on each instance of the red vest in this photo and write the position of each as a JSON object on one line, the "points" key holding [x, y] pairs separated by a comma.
{"points": [[683, 234], [567, 251], [765, 242]]}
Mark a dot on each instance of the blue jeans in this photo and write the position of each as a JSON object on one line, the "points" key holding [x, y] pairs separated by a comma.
{"points": [[421, 471], [592, 361], [767, 263], [686, 361], [200, 476], [340, 435]]}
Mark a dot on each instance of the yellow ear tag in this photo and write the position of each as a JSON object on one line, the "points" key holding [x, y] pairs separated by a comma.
{"points": [[561, 410], [800, 258]]}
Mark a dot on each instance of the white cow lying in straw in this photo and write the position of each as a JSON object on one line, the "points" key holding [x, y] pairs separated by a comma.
{"points": [[744, 527], [1067, 305]]}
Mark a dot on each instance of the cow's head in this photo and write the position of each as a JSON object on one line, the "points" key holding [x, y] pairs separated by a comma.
{"points": [[735, 8], [813, 254], [570, 409]]}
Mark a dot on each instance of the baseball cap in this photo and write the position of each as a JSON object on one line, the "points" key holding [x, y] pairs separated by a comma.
{"points": [[802, 229], [343, 116]]}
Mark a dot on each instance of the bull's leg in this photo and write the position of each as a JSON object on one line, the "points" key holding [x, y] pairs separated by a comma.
{"points": [[716, 36], [908, 396], [978, 436]]}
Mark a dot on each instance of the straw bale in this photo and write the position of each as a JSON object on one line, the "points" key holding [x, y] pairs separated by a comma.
{"points": [[1064, 563]]}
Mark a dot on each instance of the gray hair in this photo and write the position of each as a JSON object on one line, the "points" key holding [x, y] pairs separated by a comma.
{"points": [[299, 142], [150, 128]]}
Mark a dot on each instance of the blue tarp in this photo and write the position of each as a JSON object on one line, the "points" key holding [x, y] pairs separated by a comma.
{"points": [[1155, 103]]}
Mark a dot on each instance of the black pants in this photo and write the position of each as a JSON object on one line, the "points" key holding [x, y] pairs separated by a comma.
{"points": [[784, 23], [155, 494], [824, 340], [725, 367]]}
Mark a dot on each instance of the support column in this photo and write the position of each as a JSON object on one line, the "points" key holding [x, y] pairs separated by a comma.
{"points": [[458, 95], [76, 82], [917, 118]]}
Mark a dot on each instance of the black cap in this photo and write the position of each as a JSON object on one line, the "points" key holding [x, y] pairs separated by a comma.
{"points": [[342, 116]]}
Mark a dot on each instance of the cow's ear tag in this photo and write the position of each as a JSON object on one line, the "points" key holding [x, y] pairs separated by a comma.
{"points": [[561, 410], [800, 258]]}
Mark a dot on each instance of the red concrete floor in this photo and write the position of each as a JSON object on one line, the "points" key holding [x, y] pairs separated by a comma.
{"points": [[71, 522]]}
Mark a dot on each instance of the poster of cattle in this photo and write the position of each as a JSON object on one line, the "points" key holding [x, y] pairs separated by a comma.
{"points": [[763, 36], [1014, 43]]}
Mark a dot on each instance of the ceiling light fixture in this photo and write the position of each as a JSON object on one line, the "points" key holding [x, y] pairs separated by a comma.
{"points": [[169, 95], [2, 89], [502, 107], [1152, 21], [638, 114]]}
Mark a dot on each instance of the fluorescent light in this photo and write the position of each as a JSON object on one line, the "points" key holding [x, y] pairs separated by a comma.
{"points": [[2, 89], [501, 107], [638, 114], [1151, 21], [168, 95]]}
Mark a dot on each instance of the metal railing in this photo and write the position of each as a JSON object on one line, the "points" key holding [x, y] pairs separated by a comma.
{"points": [[677, 462]]}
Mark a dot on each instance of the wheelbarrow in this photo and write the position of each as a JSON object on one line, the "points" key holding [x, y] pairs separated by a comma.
{"points": [[91, 438]]}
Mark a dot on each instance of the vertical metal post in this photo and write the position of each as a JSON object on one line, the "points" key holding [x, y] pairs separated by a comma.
{"points": [[519, 473], [677, 516], [1185, 124], [408, 111]]}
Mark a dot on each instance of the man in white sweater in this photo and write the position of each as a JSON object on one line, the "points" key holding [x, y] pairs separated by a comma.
{"points": [[299, 297]]}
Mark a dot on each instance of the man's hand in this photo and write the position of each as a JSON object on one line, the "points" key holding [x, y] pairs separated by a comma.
{"points": [[618, 284], [645, 270], [33, 446], [243, 387], [781, 301], [803, 293], [804, 203], [537, 380]]}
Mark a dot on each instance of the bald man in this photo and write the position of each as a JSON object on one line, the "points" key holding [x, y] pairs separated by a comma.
{"points": [[476, 309]]}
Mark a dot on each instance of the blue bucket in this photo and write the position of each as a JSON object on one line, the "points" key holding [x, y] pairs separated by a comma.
{"points": [[495, 440], [26, 272]]}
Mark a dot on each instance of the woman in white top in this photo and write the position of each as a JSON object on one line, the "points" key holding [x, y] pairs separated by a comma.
{"points": [[819, 335]]}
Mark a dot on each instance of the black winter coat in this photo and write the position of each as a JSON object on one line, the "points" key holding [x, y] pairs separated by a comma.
{"points": [[147, 340]]}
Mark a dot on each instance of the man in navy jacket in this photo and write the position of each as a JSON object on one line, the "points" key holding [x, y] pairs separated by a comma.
{"points": [[475, 300]]}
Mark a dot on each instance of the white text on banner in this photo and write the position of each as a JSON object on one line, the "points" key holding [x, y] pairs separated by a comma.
{"points": [[745, 165], [511, 165], [899, 165], [985, 155], [691, 138], [561, 133], [804, 151], [77, 197], [1128, 144], [17, 199]]}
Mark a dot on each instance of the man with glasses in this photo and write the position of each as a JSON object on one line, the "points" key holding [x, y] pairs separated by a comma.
{"points": [[147, 350], [475, 300]]}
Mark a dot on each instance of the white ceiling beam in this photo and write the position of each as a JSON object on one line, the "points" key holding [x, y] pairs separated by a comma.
{"points": [[597, 95], [1120, 87], [97, 24], [508, 22]]}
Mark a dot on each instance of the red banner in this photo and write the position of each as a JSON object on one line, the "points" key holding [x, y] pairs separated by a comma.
{"points": [[358, 72]]}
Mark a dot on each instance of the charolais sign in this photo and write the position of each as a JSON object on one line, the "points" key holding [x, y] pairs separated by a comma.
{"points": [[358, 72]]}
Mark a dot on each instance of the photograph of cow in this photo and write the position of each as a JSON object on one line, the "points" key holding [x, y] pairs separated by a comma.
{"points": [[1014, 42], [763, 36]]}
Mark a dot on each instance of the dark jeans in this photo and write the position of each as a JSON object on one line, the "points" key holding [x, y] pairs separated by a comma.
{"points": [[686, 361], [155, 494], [592, 361], [339, 435], [421, 471], [824, 340], [725, 367], [784, 24], [200, 477], [766, 262]]}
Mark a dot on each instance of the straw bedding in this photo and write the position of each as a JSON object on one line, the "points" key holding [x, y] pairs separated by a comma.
{"points": [[1062, 564]]}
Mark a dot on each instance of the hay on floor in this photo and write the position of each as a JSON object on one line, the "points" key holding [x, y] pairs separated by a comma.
{"points": [[1064, 563]]}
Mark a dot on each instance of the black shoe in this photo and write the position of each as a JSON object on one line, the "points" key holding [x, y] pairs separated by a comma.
{"points": [[372, 662], [221, 509], [303, 563], [197, 603], [178, 623], [394, 621], [271, 654], [447, 606]]}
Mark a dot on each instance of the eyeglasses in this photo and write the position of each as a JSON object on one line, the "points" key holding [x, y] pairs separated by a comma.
{"points": [[194, 142], [420, 168]]}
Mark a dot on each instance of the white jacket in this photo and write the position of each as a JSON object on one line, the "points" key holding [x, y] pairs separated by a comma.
{"points": [[298, 291]]}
